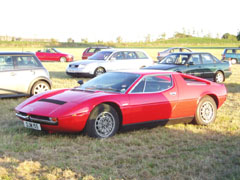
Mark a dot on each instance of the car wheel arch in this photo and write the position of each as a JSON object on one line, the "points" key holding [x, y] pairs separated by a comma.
{"points": [[115, 105], [37, 80], [215, 98]]}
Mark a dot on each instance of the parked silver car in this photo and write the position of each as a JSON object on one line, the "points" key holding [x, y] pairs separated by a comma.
{"points": [[22, 74], [109, 60]]}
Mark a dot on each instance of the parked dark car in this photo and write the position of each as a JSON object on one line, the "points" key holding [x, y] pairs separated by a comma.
{"points": [[92, 50], [168, 51], [231, 54], [52, 54], [203, 65], [22, 74]]}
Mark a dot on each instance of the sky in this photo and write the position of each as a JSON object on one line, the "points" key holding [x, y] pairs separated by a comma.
{"points": [[105, 20]]}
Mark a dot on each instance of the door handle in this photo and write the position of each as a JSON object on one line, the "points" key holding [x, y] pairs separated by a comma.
{"points": [[173, 93]]}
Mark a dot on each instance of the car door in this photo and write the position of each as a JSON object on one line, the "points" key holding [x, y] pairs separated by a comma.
{"points": [[7, 75], [117, 62], [209, 66], [152, 99], [194, 66]]}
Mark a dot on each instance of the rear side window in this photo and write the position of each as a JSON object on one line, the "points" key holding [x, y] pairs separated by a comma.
{"points": [[91, 50], [26, 62], [207, 59], [195, 59], [141, 55], [151, 84], [6, 63]]}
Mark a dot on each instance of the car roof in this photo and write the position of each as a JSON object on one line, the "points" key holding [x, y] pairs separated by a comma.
{"points": [[115, 50], [233, 48], [17, 53], [190, 53], [104, 47], [147, 71]]}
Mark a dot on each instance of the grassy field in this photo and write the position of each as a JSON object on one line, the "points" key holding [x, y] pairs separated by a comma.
{"points": [[182, 151]]}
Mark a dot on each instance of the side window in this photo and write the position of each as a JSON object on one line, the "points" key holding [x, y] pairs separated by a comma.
{"points": [[195, 59], [6, 63], [91, 50], [118, 56], [26, 62], [141, 55], [130, 55], [238, 51], [207, 59], [151, 84]]}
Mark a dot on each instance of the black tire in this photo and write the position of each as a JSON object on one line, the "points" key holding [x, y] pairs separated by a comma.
{"points": [[103, 122], [39, 86], [206, 111], [63, 59], [219, 77], [99, 71]]}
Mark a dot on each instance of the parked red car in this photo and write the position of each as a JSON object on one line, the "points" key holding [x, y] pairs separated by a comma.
{"points": [[115, 99], [52, 54], [92, 50]]}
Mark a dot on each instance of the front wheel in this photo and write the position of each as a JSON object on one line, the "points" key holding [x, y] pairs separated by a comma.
{"points": [[103, 122], [206, 111], [219, 77], [39, 87], [63, 59]]}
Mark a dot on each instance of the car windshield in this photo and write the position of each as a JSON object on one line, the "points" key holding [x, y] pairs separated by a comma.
{"points": [[175, 59], [57, 51], [101, 55], [111, 82]]}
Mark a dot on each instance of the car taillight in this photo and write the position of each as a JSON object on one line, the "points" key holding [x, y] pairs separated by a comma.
{"points": [[159, 54]]}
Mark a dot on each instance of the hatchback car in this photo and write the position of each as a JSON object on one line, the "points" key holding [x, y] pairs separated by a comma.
{"points": [[109, 60], [203, 65], [22, 74], [52, 54], [92, 50], [168, 51], [231, 54]]}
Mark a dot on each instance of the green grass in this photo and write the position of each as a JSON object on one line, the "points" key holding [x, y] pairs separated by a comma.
{"points": [[181, 151]]}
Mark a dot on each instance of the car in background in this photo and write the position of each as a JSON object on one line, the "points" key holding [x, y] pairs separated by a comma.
{"points": [[203, 65], [109, 60], [22, 74], [168, 51], [231, 54], [52, 54], [113, 100], [92, 50]]}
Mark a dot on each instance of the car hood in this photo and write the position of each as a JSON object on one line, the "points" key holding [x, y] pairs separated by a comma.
{"points": [[59, 103], [163, 66], [85, 62]]}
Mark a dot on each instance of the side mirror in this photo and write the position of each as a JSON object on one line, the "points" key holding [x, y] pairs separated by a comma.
{"points": [[80, 82]]}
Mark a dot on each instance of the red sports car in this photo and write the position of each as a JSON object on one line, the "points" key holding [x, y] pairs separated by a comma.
{"points": [[52, 54], [115, 99]]}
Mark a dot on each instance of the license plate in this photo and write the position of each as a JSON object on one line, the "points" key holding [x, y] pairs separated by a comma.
{"points": [[32, 125]]}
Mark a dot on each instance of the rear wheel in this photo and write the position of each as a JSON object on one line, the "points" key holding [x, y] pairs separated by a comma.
{"points": [[234, 61], [103, 122], [99, 71], [63, 59], [206, 111], [40, 86], [219, 77]]}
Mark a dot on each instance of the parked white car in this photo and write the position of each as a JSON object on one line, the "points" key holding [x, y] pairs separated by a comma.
{"points": [[109, 60]]}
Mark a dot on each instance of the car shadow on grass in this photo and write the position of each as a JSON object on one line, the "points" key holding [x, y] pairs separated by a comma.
{"points": [[233, 87]]}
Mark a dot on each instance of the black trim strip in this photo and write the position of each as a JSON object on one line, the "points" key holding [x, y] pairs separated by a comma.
{"points": [[53, 101]]}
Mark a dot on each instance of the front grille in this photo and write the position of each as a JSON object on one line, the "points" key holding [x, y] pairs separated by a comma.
{"points": [[36, 118], [73, 66]]}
